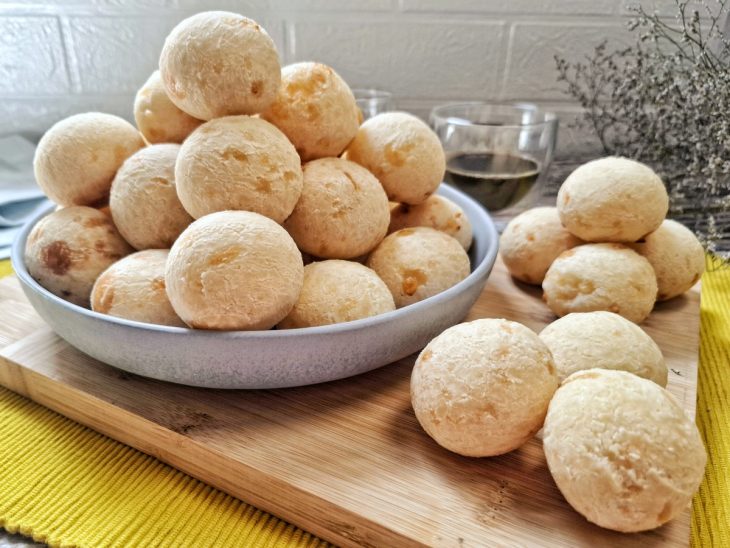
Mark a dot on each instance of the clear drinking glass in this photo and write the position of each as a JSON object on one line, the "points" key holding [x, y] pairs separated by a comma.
{"points": [[373, 101], [498, 154]]}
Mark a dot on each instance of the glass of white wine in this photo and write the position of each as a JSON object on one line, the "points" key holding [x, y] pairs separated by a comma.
{"points": [[498, 154]]}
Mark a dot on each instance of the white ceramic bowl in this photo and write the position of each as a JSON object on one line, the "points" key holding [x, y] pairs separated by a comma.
{"points": [[266, 359]]}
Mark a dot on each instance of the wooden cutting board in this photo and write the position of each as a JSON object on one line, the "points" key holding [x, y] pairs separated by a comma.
{"points": [[345, 460]]}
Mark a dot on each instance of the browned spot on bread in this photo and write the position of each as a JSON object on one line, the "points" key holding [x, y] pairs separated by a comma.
{"points": [[506, 328], [99, 245], [257, 87], [158, 284], [235, 154], [57, 257], [265, 160], [160, 181], [307, 87], [550, 367], [413, 278], [289, 176], [224, 256], [397, 156], [320, 73], [94, 157], [279, 110], [614, 308], [312, 112], [530, 237], [502, 352], [425, 355], [566, 198], [586, 287], [94, 222], [489, 409], [263, 185], [105, 299]]}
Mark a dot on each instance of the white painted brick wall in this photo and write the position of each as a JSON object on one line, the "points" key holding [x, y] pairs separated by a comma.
{"points": [[59, 57]]}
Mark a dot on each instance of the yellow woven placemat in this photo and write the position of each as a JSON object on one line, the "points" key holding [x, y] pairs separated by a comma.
{"points": [[5, 268], [711, 505], [67, 485]]}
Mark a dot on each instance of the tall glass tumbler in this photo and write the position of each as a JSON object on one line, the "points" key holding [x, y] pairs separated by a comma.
{"points": [[498, 154]]}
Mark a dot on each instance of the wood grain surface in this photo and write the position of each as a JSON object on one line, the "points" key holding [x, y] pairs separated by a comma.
{"points": [[345, 460]]}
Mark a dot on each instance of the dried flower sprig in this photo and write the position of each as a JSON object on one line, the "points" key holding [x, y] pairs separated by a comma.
{"points": [[665, 101]]}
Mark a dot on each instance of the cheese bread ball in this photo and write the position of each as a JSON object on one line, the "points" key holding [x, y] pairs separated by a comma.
{"points": [[76, 159], [676, 255], [403, 153], [482, 388], [337, 291], [234, 270], [134, 288], [68, 249], [531, 242], [158, 119], [622, 450], [607, 276], [417, 263], [238, 163], [436, 212], [143, 200], [343, 211], [586, 340], [315, 109], [612, 200], [218, 63]]}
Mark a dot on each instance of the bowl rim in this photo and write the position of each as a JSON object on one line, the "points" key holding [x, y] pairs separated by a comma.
{"points": [[484, 266]]}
